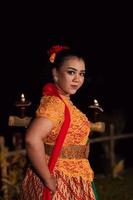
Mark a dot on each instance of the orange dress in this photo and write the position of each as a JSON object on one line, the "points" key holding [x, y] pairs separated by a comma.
{"points": [[73, 174]]}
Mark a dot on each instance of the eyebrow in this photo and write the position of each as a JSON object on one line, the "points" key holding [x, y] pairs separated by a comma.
{"points": [[76, 69]]}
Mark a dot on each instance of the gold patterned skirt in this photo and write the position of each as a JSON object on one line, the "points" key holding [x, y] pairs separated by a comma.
{"points": [[68, 188]]}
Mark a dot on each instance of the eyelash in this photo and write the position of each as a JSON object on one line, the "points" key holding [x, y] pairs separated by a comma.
{"points": [[82, 74], [73, 72]]}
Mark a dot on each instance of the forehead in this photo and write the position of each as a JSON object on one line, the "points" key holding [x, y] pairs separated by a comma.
{"points": [[74, 62]]}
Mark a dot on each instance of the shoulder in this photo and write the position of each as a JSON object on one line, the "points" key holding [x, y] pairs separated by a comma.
{"points": [[51, 107], [51, 100]]}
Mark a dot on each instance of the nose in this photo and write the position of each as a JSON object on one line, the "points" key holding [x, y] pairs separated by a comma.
{"points": [[77, 77]]}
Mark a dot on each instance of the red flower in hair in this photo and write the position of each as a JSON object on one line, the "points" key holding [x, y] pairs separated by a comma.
{"points": [[55, 50]]}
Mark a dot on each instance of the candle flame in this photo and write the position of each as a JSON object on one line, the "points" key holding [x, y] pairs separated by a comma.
{"points": [[22, 95], [96, 102]]}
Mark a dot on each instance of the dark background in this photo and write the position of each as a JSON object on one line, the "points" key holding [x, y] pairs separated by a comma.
{"points": [[102, 31]]}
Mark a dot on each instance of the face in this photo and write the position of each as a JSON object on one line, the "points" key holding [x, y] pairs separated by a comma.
{"points": [[70, 76]]}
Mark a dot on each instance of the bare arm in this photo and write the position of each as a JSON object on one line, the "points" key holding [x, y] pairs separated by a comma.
{"points": [[35, 135]]}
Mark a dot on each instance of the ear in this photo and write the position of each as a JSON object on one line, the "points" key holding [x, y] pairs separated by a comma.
{"points": [[55, 75], [54, 72]]}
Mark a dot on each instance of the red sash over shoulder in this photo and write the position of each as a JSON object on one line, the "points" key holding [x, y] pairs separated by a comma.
{"points": [[51, 90]]}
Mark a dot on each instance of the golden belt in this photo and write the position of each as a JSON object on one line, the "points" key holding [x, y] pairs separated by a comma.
{"points": [[70, 152]]}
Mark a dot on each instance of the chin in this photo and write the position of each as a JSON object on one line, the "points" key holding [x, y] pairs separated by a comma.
{"points": [[73, 92]]}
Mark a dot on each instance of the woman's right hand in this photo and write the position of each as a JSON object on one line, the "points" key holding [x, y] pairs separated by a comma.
{"points": [[51, 184]]}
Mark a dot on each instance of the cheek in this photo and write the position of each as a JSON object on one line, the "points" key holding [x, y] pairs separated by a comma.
{"points": [[82, 80], [64, 79]]}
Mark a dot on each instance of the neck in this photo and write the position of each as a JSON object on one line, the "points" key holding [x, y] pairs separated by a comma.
{"points": [[61, 91]]}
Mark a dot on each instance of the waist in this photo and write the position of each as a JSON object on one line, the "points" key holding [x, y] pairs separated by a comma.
{"points": [[69, 152]]}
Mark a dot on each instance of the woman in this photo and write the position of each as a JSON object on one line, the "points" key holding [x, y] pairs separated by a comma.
{"points": [[56, 140]]}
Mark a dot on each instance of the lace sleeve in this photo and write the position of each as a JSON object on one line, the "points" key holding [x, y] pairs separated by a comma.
{"points": [[52, 108]]}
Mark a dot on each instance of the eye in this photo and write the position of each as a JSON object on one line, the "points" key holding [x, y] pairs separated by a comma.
{"points": [[82, 74], [71, 72]]}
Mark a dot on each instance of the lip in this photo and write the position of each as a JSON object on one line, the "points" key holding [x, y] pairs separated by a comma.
{"points": [[74, 86]]}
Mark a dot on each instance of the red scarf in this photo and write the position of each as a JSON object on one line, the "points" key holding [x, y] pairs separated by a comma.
{"points": [[51, 90]]}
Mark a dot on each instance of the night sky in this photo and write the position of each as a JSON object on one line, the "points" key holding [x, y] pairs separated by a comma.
{"points": [[103, 33]]}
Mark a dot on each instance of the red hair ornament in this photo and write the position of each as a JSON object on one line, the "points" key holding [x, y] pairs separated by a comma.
{"points": [[54, 50]]}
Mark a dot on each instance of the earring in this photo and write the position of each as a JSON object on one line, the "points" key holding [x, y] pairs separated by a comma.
{"points": [[55, 79]]}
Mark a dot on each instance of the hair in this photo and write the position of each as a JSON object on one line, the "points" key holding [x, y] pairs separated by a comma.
{"points": [[60, 58]]}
